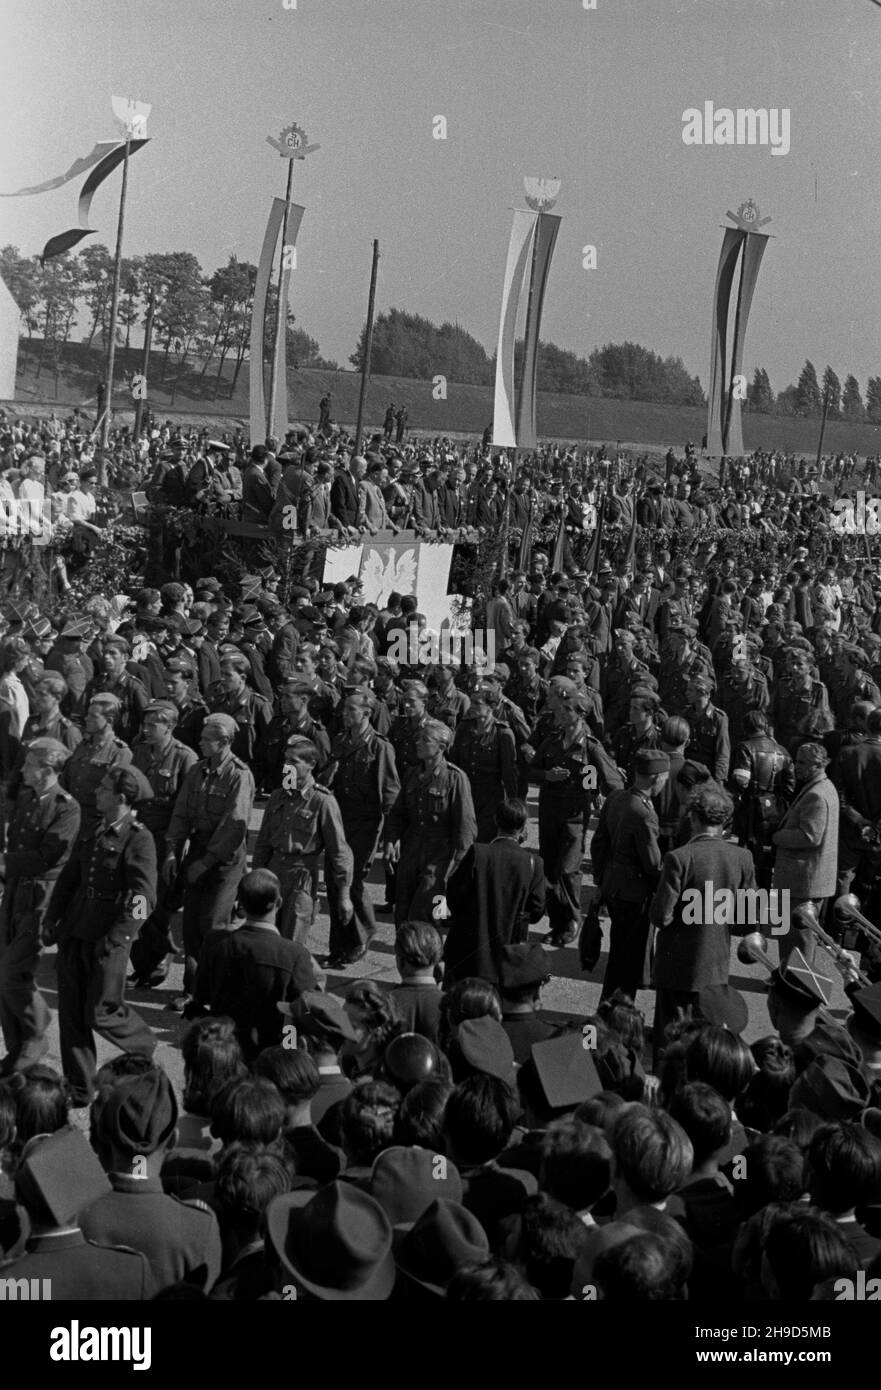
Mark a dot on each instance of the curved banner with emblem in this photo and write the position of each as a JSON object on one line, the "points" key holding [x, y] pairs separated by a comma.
{"points": [[397, 566]]}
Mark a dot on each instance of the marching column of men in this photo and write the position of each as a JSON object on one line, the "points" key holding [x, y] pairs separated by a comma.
{"points": [[124, 806]]}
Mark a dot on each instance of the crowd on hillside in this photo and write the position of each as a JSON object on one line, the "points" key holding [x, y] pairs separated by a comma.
{"points": [[697, 703]]}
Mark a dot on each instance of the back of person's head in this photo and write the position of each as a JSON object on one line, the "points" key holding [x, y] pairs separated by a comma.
{"points": [[480, 1117], [511, 815], [418, 946], [420, 1119], [247, 1178], [492, 1282], [619, 1013], [601, 1110], [212, 1058], [705, 1116], [767, 1094], [42, 1103], [844, 1167], [722, 1060], [576, 1163], [367, 1121], [642, 1269], [803, 1248], [258, 893], [248, 1111], [291, 1071], [653, 1154], [552, 1237], [774, 1171], [799, 1125], [469, 998]]}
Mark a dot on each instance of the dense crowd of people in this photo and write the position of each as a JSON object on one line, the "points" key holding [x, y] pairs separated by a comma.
{"points": [[699, 704]]}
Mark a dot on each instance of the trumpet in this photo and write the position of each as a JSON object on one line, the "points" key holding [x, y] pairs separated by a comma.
{"points": [[842, 959], [748, 953], [847, 910]]}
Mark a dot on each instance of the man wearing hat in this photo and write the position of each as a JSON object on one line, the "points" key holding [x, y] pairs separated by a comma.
{"points": [[431, 825], [709, 743], [622, 672], [47, 721], [134, 1128], [570, 766], [691, 952], [335, 1245], [250, 711], [58, 1177], [626, 860], [484, 749], [105, 892], [640, 731], [181, 690], [42, 828], [294, 720], [99, 752], [322, 1026], [69, 659], [366, 785], [523, 971], [129, 692], [301, 827], [164, 761], [211, 817]]}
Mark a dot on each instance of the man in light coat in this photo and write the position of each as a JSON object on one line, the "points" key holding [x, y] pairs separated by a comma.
{"points": [[807, 845]]}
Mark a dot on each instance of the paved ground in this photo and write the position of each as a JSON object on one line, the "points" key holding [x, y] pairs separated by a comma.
{"points": [[569, 995]]}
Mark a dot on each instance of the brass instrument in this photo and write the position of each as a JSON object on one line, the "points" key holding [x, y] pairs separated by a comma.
{"points": [[750, 954], [847, 909]]}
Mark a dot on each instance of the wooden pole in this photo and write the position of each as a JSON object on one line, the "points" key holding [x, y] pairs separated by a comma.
{"points": [[729, 404], [145, 361], [822, 429], [114, 313], [368, 348], [280, 309]]}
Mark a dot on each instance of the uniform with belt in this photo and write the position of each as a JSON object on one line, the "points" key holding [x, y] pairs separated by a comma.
{"points": [[626, 861], [489, 757], [271, 748], [251, 713], [366, 786], [212, 812], [40, 837], [86, 769], [709, 742], [165, 770], [433, 817], [104, 893], [64, 730], [299, 828], [133, 700]]}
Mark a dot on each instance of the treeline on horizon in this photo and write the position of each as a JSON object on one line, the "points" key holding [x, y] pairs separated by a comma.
{"points": [[201, 323]]}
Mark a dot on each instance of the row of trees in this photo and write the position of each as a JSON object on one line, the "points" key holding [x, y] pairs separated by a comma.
{"points": [[807, 395], [411, 346], [198, 319]]}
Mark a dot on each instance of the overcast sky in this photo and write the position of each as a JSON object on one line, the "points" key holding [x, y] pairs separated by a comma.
{"points": [[540, 87]]}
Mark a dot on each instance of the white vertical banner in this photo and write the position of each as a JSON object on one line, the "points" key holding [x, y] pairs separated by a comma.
{"points": [[517, 268], [339, 564]]}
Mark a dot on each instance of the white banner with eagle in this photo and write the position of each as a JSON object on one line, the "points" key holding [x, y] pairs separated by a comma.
{"points": [[395, 566]]}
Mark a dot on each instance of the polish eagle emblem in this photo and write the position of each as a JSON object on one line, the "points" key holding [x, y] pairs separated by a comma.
{"points": [[395, 573]]}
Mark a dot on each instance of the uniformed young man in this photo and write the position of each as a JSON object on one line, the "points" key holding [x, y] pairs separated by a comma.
{"points": [[484, 748], [211, 817], [42, 828], [366, 786], [164, 761], [250, 711], [181, 689], [430, 827], [301, 825], [99, 752], [710, 743], [104, 893], [294, 720], [116, 680]]}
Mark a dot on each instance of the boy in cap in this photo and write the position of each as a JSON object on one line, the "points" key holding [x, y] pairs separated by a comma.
{"points": [[41, 832], [321, 1027], [136, 1127], [99, 753], [523, 971], [103, 895], [211, 817], [130, 693]]}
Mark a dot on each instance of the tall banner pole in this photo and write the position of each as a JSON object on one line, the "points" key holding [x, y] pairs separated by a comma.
{"points": [[822, 429], [145, 362], [743, 247], [281, 309], [368, 348], [114, 314]]}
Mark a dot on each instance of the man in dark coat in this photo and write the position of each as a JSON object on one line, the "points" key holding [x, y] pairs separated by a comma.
{"points": [[495, 895], [693, 949]]}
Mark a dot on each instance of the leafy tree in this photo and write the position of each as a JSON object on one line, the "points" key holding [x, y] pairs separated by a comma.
{"points": [[808, 391], [96, 265], [852, 407], [832, 393], [60, 290], [22, 277], [787, 401], [760, 397], [873, 400], [130, 284], [181, 302]]}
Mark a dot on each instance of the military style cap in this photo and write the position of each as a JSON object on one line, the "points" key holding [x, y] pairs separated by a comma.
{"points": [[626, 636], [295, 685], [37, 629], [867, 1010], [140, 1114], [645, 692], [209, 585], [216, 445], [566, 1071], [54, 681], [724, 1006], [61, 1172], [250, 615], [486, 1047], [522, 965], [321, 1014], [417, 688], [832, 1088], [223, 723], [54, 746], [700, 683], [133, 785], [237, 660], [104, 697], [163, 709], [78, 627], [364, 699], [649, 762], [179, 666], [117, 644], [800, 984]]}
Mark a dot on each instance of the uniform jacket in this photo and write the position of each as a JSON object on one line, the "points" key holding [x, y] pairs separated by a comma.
{"points": [[245, 974], [365, 777], [710, 742], [213, 810], [80, 1272], [624, 851], [133, 700], [108, 886], [298, 827], [63, 729], [270, 750], [165, 771], [495, 894], [573, 797], [40, 835], [181, 1240], [807, 841], [436, 806], [87, 767], [689, 954], [858, 777], [252, 713]]}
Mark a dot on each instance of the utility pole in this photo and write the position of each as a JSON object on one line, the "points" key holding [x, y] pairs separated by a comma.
{"points": [[368, 348]]}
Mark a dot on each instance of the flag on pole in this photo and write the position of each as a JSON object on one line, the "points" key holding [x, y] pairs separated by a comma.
{"points": [[558, 559], [592, 563], [630, 552]]}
